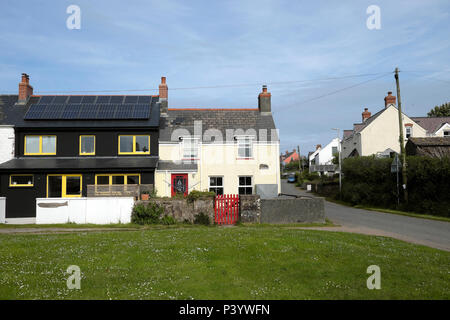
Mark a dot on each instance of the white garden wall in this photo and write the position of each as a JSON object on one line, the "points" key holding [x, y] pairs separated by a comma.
{"points": [[84, 210], [2, 209], [6, 143]]}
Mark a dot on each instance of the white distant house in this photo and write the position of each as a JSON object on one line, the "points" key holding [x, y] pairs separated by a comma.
{"points": [[321, 160], [378, 134]]}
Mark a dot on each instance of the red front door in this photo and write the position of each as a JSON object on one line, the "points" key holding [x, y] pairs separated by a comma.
{"points": [[179, 184]]}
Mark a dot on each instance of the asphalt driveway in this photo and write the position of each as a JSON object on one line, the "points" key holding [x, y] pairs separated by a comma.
{"points": [[431, 233]]}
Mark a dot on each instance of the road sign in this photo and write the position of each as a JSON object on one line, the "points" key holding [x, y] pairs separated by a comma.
{"points": [[396, 164]]}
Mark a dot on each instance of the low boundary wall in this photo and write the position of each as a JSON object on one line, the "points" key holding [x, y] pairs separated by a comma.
{"points": [[2, 210], [84, 210]]}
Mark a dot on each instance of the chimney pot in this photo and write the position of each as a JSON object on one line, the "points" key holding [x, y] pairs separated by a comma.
{"points": [[318, 146], [264, 103], [366, 114], [163, 95], [389, 99], [25, 90]]}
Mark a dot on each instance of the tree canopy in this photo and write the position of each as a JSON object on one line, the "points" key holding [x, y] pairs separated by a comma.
{"points": [[440, 111]]}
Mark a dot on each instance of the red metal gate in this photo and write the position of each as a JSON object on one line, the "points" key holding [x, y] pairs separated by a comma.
{"points": [[226, 209]]}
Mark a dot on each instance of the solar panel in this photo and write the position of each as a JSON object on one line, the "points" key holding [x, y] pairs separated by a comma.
{"points": [[52, 111], [116, 99], [71, 111], [88, 99], [106, 111], [35, 112], [131, 99], [60, 99], [124, 112], [46, 99], [144, 99], [88, 111], [141, 111], [103, 99], [90, 107], [75, 99]]}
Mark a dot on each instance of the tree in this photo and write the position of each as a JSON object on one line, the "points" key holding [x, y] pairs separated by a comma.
{"points": [[441, 111]]}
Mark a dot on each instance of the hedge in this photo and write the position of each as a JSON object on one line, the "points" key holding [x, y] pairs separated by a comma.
{"points": [[369, 181]]}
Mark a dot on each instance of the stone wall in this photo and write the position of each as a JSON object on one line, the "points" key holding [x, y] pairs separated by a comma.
{"points": [[183, 210], [298, 210], [250, 208]]}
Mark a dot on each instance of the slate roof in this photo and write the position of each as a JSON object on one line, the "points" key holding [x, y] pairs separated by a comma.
{"points": [[97, 163], [173, 166], [219, 119], [431, 124], [13, 114], [430, 141]]}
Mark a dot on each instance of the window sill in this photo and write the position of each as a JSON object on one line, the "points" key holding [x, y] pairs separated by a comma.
{"points": [[250, 158]]}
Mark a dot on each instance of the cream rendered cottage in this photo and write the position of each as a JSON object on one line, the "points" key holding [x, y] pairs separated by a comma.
{"points": [[225, 150]]}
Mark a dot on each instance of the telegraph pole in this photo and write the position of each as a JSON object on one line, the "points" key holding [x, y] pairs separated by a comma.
{"points": [[299, 159], [402, 142]]}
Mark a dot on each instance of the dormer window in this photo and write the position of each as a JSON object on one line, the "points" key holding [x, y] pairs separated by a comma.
{"points": [[447, 133]]}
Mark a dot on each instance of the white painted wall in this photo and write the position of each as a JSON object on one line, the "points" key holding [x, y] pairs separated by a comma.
{"points": [[2, 210], [6, 143], [84, 210], [325, 153], [440, 131]]}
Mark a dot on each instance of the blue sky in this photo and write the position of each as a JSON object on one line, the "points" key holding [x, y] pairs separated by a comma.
{"points": [[131, 44]]}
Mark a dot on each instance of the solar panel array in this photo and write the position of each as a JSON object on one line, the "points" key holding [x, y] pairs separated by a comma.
{"points": [[90, 108]]}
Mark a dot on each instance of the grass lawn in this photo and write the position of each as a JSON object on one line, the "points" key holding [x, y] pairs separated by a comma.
{"points": [[243, 262]]}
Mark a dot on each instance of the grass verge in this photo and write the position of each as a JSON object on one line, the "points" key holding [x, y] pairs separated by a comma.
{"points": [[268, 262]]}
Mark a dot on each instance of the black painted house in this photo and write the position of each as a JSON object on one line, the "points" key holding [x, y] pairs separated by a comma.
{"points": [[63, 143]]}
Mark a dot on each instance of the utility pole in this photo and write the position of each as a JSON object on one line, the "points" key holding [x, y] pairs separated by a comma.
{"points": [[339, 160], [402, 142], [299, 159]]}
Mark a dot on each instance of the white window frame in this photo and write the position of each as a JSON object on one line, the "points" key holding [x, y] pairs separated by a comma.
{"points": [[193, 146], [245, 185], [408, 128], [216, 187], [245, 143]]}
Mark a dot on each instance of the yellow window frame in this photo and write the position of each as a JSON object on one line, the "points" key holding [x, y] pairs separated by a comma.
{"points": [[40, 145], [64, 185], [87, 153], [134, 144], [110, 175], [21, 185]]}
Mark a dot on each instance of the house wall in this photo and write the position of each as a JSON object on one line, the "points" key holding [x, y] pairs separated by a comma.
{"points": [[68, 141], [21, 201], [326, 153], [221, 160], [382, 133], [441, 130], [6, 143], [351, 143]]}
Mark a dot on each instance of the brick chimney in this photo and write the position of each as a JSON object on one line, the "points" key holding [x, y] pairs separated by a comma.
{"points": [[366, 115], [389, 99], [163, 97], [264, 104], [25, 90], [318, 146]]}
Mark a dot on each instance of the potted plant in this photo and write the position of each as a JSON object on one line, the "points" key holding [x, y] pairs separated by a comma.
{"points": [[145, 195]]}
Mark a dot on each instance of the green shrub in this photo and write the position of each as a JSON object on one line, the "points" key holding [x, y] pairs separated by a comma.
{"points": [[168, 220], [147, 214], [194, 195], [202, 218], [369, 181]]}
